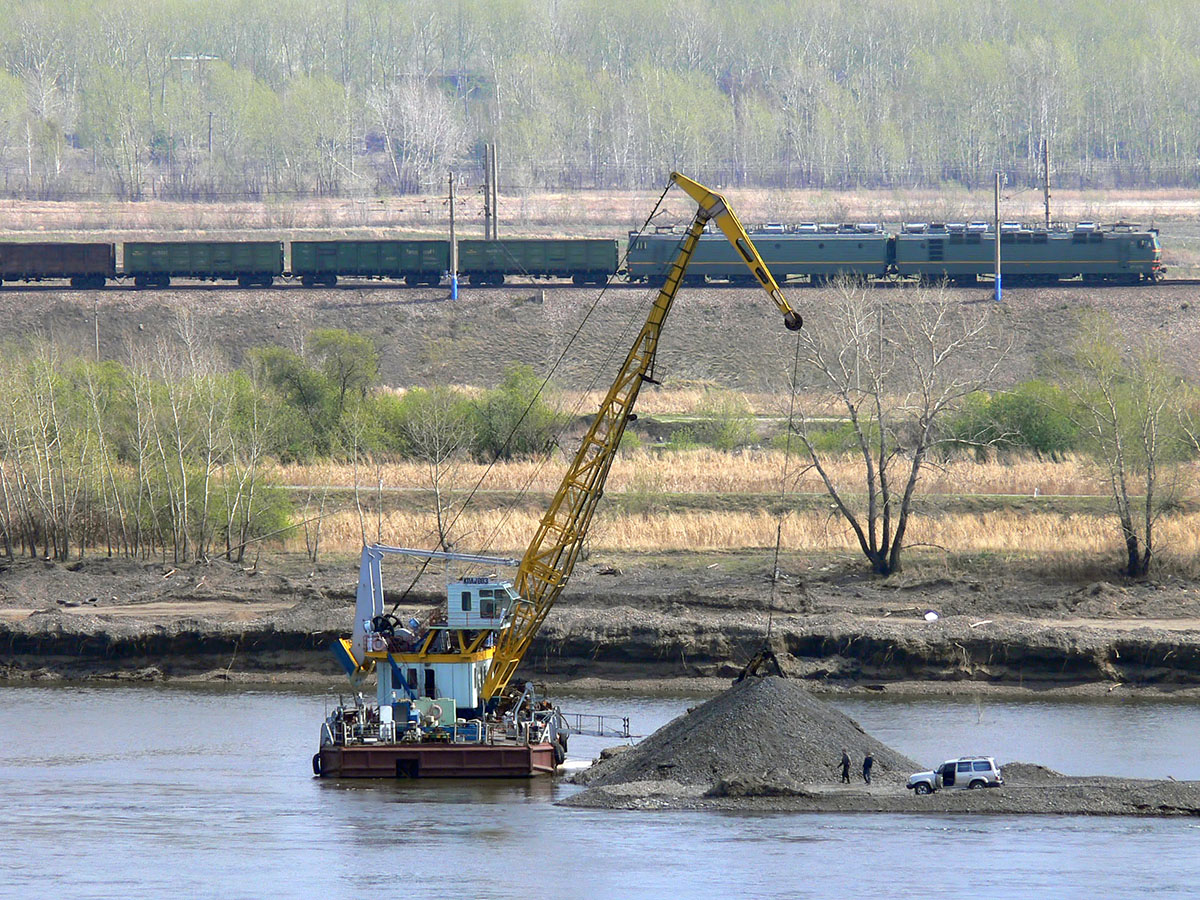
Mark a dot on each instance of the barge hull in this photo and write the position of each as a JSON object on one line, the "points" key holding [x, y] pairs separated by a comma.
{"points": [[435, 761]]}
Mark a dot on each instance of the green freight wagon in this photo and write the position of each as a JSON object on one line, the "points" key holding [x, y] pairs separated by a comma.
{"points": [[86, 265], [584, 261], [323, 262], [247, 262], [816, 252], [963, 252]]}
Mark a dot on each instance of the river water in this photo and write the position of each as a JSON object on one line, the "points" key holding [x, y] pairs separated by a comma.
{"points": [[138, 792]]}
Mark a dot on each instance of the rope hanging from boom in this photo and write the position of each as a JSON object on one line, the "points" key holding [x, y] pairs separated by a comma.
{"points": [[764, 662], [783, 484]]}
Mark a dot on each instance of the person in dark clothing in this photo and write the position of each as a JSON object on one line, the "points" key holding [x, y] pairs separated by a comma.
{"points": [[845, 767], [867, 763]]}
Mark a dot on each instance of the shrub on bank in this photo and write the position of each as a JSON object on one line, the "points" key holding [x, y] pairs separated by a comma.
{"points": [[1034, 416]]}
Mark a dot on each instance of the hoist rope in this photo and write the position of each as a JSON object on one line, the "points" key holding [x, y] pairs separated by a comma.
{"points": [[783, 485]]}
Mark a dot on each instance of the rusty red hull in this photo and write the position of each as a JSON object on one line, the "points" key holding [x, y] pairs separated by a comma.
{"points": [[435, 761]]}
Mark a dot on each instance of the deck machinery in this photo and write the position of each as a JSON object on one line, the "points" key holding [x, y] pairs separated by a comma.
{"points": [[443, 707], [430, 717]]}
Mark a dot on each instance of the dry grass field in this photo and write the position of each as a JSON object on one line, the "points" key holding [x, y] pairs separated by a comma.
{"points": [[761, 472], [679, 502], [1066, 543]]}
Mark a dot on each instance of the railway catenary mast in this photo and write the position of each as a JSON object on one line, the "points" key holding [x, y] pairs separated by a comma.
{"points": [[551, 555]]}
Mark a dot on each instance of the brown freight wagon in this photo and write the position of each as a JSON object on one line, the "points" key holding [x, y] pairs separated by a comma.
{"points": [[86, 265]]}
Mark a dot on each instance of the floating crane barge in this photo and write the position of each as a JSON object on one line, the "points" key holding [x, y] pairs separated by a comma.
{"points": [[430, 719], [443, 708]]}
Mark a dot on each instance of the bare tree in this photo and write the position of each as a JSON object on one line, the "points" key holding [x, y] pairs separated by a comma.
{"points": [[436, 430], [890, 366], [421, 130], [1189, 418], [246, 449], [312, 522], [1128, 405], [110, 489]]}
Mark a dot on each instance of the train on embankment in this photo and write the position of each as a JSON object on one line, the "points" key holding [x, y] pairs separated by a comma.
{"points": [[960, 253]]}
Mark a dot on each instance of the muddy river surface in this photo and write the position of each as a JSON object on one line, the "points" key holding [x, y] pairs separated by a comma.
{"points": [[149, 792]]}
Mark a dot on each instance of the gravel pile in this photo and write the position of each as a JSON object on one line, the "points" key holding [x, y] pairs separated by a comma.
{"points": [[763, 736]]}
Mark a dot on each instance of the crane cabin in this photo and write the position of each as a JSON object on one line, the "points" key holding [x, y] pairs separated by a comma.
{"points": [[450, 660], [444, 660]]}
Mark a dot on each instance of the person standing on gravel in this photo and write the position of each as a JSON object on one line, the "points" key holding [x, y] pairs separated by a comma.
{"points": [[845, 767], [868, 762]]}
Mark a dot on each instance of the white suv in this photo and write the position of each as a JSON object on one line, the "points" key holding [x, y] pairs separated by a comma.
{"points": [[964, 772]]}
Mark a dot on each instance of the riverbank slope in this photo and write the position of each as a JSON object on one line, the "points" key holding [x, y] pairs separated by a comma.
{"points": [[684, 623]]}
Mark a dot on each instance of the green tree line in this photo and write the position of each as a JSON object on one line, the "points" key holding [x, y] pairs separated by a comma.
{"points": [[171, 455], [207, 99]]}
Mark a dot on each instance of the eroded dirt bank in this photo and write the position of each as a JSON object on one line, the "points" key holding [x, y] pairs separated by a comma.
{"points": [[666, 622]]}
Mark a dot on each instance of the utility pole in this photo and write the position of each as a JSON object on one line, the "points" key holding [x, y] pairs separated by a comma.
{"points": [[96, 323], [1046, 178], [487, 192], [453, 246], [495, 194], [996, 220]]}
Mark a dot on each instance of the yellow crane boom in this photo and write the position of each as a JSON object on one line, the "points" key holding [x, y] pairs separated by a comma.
{"points": [[551, 556]]}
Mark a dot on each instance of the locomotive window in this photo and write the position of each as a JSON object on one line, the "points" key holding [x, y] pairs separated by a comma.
{"points": [[1023, 238], [821, 245], [956, 238], [1095, 237], [860, 245], [1041, 238], [975, 238], [1079, 237], [1007, 238], [466, 601]]}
